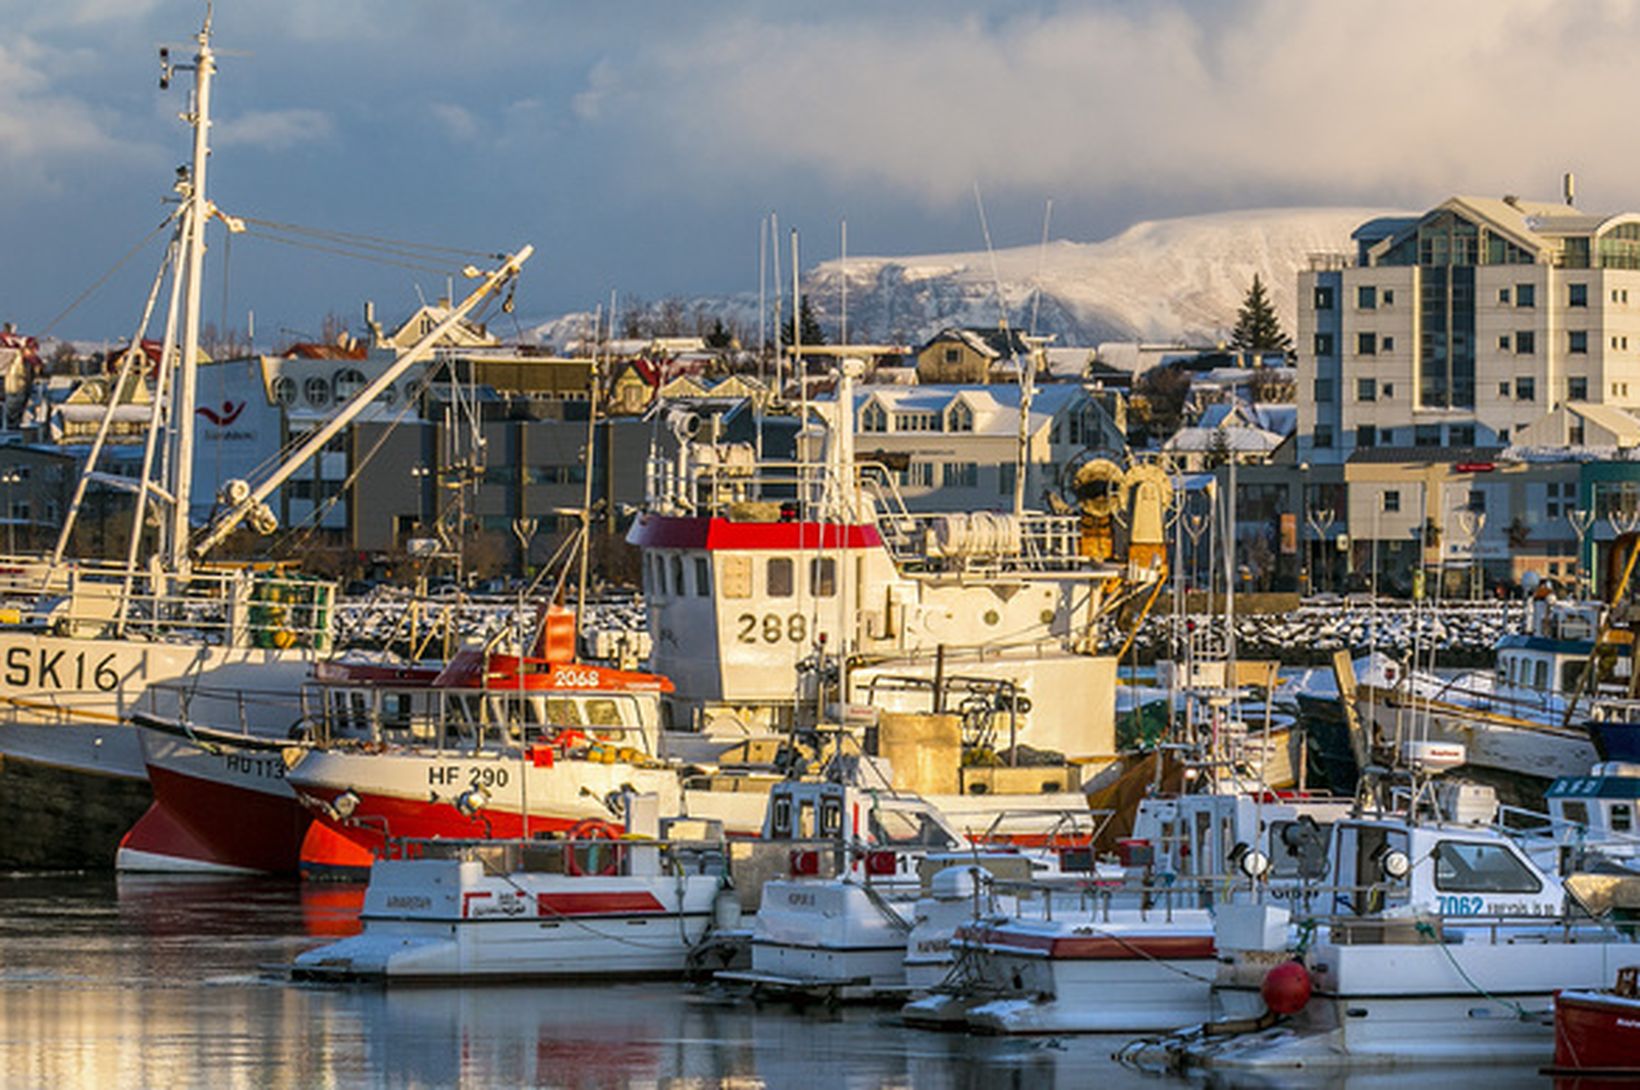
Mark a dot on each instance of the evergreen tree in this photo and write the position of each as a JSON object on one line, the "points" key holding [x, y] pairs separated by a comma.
{"points": [[808, 326], [1257, 327]]}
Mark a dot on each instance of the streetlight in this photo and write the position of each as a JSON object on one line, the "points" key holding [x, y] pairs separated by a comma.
{"points": [[1320, 520], [9, 478]]}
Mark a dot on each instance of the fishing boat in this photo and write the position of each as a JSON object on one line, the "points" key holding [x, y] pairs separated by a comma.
{"points": [[785, 589], [535, 909], [1597, 1031], [1135, 956], [87, 643], [1433, 943]]}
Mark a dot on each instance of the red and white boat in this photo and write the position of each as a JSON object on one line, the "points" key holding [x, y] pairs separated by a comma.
{"points": [[221, 804], [385, 751], [1598, 1032], [503, 750]]}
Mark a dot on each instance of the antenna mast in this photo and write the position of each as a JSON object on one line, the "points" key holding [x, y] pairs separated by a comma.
{"points": [[196, 211]]}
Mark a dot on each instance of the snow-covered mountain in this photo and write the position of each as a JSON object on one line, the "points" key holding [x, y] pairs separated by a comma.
{"points": [[1174, 280]]}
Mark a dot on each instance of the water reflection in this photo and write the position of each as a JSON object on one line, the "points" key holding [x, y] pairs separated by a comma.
{"points": [[159, 983]]}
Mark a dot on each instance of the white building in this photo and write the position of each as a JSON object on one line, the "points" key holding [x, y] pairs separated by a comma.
{"points": [[1456, 329]]}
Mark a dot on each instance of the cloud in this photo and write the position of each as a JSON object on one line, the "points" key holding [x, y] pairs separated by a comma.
{"points": [[603, 82], [273, 130], [45, 130], [458, 121], [1324, 101]]}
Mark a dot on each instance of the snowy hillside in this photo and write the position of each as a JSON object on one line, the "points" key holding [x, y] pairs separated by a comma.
{"points": [[1162, 280]]}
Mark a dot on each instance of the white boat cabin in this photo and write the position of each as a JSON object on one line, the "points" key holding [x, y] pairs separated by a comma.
{"points": [[1390, 867]]}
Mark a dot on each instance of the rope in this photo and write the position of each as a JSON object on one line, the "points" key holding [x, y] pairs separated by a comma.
{"points": [[1426, 929], [104, 278]]}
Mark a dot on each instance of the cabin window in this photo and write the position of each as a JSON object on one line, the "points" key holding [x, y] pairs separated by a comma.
{"points": [[703, 577], [1462, 867], [805, 819], [603, 712], [677, 576], [1622, 817], [1576, 811], [823, 577], [563, 712], [780, 821], [907, 829], [831, 817], [735, 578], [1287, 859], [1540, 675], [779, 577], [1569, 673]]}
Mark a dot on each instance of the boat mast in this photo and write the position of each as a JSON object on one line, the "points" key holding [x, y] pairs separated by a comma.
{"points": [[197, 211]]}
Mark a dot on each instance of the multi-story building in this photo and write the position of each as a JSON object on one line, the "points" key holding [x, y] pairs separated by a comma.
{"points": [[1454, 330]]}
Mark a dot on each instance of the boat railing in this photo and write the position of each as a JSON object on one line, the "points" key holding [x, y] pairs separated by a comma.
{"points": [[576, 856], [235, 607], [977, 543]]}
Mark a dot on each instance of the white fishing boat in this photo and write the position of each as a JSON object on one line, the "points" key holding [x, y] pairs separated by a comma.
{"points": [[1137, 956], [443, 910], [1435, 943], [779, 587]]}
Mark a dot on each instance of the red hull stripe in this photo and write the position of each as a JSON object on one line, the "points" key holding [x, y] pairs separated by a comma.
{"points": [[414, 818], [597, 904], [1095, 947], [236, 826], [664, 532], [1590, 1034]]}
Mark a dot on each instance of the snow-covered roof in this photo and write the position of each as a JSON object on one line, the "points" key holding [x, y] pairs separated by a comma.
{"points": [[995, 406], [1240, 440]]}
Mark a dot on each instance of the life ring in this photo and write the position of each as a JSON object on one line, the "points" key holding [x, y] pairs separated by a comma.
{"points": [[591, 829]]}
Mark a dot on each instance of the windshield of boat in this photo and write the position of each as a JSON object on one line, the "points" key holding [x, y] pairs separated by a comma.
{"points": [[908, 829], [1470, 867]]}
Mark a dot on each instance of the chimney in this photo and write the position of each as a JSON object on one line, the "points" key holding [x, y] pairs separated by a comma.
{"points": [[1569, 185]]}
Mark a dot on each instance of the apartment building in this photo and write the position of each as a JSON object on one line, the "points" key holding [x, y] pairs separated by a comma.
{"points": [[1454, 330]]}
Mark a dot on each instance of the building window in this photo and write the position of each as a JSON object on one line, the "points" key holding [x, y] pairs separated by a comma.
{"points": [[1324, 390], [960, 475], [1503, 296], [1577, 388], [952, 355], [959, 417], [1366, 297], [873, 417], [1503, 437], [1006, 472], [1323, 297], [1426, 435], [1574, 436], [1392, 501], [1461, 435], [1389, 344], [1503, 343], [1525, 342], [1526, 295], [1366, 344], [1366, 436], [1577, 295], [778, 574], [1477, 501], [317, 391], [1323, 344], [1387, 391], [1366, 389], [1577, 342], [1526, 389], [917, 475], [1389, 297], [928, 421], [1323, 436]]}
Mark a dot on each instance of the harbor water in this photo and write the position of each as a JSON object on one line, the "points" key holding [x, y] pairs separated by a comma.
{"points": [[118, 982]]}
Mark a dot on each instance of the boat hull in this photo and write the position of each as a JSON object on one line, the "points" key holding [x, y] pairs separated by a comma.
{"points": [[231, 805], [431, 920], [1597, 1032]]}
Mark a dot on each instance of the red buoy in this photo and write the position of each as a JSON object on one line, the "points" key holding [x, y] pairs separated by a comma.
{"points": [[1286, 988]]}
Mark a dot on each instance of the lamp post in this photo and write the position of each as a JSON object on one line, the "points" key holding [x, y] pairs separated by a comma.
{"points": [[1320, 520], [10, 478], [1581, 519], [420, 473]]}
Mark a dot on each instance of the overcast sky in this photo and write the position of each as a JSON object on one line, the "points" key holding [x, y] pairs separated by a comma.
{"points": [[638, 145]]}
